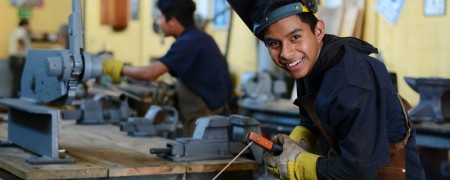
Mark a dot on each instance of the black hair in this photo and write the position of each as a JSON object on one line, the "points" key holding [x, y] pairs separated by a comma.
{"points": [[263, 7], [23, 22], [182, 10]]}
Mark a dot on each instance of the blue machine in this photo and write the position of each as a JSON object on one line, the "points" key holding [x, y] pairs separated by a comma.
{"points": [[50, 77]]}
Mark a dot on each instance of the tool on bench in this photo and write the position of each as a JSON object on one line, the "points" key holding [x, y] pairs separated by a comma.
{"points": [[155, 113], [215, 137], [50, 78]]}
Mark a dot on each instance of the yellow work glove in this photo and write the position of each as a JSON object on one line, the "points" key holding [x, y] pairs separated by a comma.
{"points": [[294, 162], [304, 137], [113, 68]]}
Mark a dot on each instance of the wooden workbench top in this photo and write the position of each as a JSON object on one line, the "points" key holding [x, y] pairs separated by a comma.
{"points": [[105, 151]]}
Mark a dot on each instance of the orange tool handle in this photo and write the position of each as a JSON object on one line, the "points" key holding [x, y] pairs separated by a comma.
{"points": [[264, 143]]}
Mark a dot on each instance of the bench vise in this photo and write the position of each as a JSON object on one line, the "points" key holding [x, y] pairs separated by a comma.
{"points": [[215, 137]]}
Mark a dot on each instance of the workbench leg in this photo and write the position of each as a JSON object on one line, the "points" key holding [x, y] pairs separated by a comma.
{"points": [[7, 175], [435, 162]]}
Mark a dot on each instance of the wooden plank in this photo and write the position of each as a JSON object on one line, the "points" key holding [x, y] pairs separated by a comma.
{"points": [[105, 151], [349, 21], [123, 155], [217, 165], [332, 17], [12, 159], [98, 143], [360, 5]]}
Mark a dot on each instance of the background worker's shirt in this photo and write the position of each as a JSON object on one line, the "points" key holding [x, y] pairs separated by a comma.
{"points": [[15, 48], [358, 105], [196, 60]]}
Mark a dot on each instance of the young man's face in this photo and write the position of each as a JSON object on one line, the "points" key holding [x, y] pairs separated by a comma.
{"points": [[162, 23], [293, 46]]}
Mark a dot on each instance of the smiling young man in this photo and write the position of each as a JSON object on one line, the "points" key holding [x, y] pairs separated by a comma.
{"points": [[344, 95], [203, 85]]}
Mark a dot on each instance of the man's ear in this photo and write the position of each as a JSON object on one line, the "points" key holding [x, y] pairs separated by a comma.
{"points": [[319, 30], [171, 21]]}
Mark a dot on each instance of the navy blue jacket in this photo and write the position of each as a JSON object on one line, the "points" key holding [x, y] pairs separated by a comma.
{"points": [[195, 59], [357, 103]]}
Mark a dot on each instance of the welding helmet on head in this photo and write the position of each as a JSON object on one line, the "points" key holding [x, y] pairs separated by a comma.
{"points": [[243, 8]]}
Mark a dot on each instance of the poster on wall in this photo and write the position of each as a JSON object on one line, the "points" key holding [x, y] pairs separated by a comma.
{"points": [[389, 9], [25, 13], [434, 7], [26, 3]]}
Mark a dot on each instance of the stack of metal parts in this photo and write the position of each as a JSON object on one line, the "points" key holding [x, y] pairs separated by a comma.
{"points": [[50, 77], [215, 137], [102, 106], [158, 121]]}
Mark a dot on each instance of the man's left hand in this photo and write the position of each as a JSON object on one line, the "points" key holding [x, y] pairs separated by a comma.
{"points": [[294, 162], [113, 68], [291, 150]]}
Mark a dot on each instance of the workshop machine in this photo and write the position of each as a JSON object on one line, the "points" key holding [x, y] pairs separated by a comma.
{"points": [[434, 104], [215, 137], [262, 87], [431, 118], [50, 78], [158, 121], [100, 106], [262, 100], [155, 114]]}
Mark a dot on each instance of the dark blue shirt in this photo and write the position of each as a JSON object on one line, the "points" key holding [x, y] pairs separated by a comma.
{"points": [[195, 59], [357, 104]]}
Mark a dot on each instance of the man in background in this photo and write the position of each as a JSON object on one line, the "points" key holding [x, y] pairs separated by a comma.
{"points": [[63, 36], [19, 44], [203, 81]]}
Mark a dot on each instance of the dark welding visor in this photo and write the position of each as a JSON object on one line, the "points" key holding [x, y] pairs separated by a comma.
{"points": [[243, 8]]}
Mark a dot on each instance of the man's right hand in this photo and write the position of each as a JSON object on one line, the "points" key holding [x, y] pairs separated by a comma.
{"points": [[113, 68]]}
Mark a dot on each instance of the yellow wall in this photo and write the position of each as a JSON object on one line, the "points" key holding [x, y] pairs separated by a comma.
{"points": [[416, 46], [43, 19], [9, 21], [242, 54], [138, 43], [131, 44]]}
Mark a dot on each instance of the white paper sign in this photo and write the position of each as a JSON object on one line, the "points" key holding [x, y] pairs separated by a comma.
{"points": [[434, 7], [389, 9]]}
